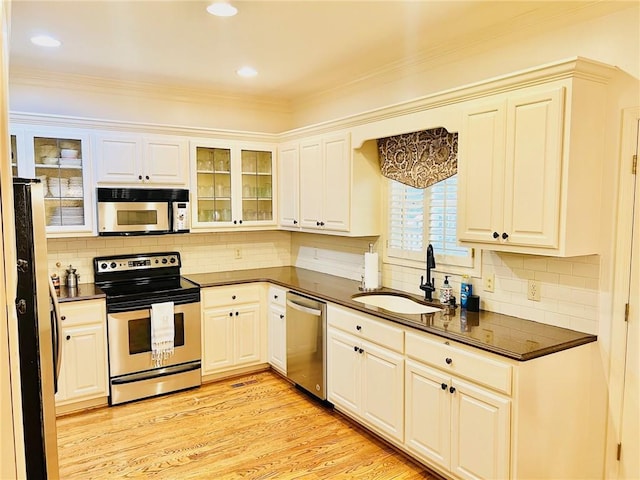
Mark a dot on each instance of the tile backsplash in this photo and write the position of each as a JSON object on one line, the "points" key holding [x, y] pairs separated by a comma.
{"points": [[200, 252], [569, 287]]}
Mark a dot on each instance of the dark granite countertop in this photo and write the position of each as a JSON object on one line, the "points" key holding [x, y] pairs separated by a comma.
{"points": [[504, 335], [85, 291]]}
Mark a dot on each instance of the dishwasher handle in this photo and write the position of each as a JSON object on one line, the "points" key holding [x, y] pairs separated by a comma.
{"points": [[302, 308]]}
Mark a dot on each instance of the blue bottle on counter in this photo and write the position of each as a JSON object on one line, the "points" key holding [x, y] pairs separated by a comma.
{"points": [[466, 289]]}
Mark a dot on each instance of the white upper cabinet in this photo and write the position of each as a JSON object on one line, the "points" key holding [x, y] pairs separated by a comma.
{"points": [[328, 187], [233, 185], [61, 159], [136, 160], [289, 185], [530, 169]]}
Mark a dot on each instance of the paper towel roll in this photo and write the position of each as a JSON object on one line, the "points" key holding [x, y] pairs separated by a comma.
{"points": [[370, 270]]}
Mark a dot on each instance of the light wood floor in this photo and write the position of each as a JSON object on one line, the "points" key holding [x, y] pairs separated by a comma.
{"points": [[254, 427]]}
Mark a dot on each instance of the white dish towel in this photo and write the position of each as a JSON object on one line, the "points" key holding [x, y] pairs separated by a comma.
{"points": [[162, 332]]}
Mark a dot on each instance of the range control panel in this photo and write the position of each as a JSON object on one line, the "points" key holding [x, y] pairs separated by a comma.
{"points": [[136, 262]]}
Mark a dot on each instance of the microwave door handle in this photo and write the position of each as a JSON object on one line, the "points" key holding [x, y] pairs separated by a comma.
{"points": [[56, 333]]}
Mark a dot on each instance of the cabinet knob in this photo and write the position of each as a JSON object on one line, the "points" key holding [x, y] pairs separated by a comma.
{"points": [[448, 360], [317, 224], [360, 350], [68, 337], [505, 235], [233, 297], [355, 349], [235, 222], [240, 222], [63, 317], [146, 177], [275, 296], [295, 222], [358, 327], [236, 314], [281, 316], [452, 389], [322, 224], [231, 314], [444, 386], [139, 177], [496, 234]]}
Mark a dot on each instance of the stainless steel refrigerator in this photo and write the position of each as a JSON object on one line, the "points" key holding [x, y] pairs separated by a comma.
{"points": [[38, 332]]}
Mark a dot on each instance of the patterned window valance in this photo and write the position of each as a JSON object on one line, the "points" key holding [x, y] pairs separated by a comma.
{"points": [[419, 159]]}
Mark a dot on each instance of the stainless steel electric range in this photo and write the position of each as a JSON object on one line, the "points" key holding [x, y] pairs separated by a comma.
{"points": [[132, 284]]}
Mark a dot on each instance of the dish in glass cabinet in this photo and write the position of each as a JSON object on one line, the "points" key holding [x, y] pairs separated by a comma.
{"points": [[50, 160]]}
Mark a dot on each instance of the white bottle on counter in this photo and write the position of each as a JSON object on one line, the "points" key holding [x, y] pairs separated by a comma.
{"points": [[445, 291]]}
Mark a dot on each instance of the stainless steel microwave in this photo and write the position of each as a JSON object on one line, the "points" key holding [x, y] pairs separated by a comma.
{"points": [[140, 211]]}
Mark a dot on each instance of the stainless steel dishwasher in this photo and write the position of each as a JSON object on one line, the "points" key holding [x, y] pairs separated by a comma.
{"points": [[306, 343]]}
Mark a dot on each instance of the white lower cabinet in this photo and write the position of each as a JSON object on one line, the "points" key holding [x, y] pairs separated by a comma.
{"points": [[231, 328], [277, 328], [460, 426], [364, 378], [83, 372]]}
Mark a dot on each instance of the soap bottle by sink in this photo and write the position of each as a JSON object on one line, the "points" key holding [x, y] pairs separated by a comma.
{"points": [[445, 291]]}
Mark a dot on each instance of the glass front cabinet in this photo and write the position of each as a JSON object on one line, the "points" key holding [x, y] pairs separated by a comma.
{"points": [[233, 185], [60, 160]]}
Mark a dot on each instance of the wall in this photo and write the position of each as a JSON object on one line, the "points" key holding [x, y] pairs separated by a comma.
{"points": [[200, 252]]}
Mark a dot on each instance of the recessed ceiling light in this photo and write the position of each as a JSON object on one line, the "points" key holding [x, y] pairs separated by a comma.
{"points": [[222, 9], [247, 72], [45, 41]]}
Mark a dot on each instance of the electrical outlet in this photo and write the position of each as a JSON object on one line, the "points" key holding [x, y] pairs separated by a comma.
{"points": [[533, 290], [238, 254], [488, 282]]}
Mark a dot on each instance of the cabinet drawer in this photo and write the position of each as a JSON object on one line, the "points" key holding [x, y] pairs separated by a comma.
{"points": [[455, 361], [236, 294], [366, 327], [83, 312], [277, 296]]}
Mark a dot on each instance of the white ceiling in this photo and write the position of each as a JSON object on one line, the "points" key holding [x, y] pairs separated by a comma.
{"points": [[298, 47]]}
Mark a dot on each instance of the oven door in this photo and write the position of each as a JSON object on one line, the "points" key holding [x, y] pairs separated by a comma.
{"points": [[130, 339], [121, 218]]}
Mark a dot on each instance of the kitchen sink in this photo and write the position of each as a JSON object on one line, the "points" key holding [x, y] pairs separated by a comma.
{"points": [[396, 303]]}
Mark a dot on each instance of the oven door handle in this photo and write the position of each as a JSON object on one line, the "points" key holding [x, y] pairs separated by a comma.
{"points": [[156, 372]]}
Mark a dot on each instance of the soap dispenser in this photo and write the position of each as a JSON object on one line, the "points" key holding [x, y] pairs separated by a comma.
{"points": [[445, 291]]}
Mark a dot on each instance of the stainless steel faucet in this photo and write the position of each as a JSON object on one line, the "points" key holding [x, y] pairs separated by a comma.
{"points": [[430, 286]]}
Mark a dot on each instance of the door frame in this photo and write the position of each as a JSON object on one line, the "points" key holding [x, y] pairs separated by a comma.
{"points": [[621, 284]]}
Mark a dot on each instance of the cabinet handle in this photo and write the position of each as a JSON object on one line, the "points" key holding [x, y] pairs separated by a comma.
{"points": [[281, 316], [448, 360], [505, 235], [68, 337], [358, 327], [355, 349], [496, 234], [444, 386], [360, 350], [452, 389]]}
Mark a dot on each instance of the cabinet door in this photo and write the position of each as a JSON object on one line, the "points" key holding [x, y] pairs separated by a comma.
{"points": [[337, 183], [165, 161], [343, 370], [311, 188], [288, 180], [481, 173], [533, 168], [257, 182], [383, 389], [480, 432], [246, 325], [83, 361], [118, 159], [217, 340], [428, 413], [212, 203], [277, 338]]}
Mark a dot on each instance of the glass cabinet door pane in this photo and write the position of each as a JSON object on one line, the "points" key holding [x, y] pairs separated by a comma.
{"points": [[213, 166], [14, 156], [58, 164], [257, 186]]}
